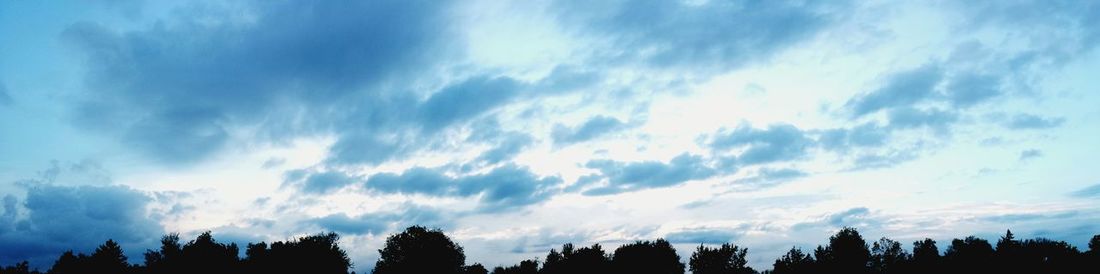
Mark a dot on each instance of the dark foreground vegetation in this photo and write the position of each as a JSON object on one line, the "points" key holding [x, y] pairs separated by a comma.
{"points": [[419, 250]]}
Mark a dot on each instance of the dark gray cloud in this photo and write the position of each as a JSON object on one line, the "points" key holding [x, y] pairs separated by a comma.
{"points": [[632, 176], [1031, 121], [704, 236], [55, 218], [778, 142], [504, 187], [712, 34], [592, 128], [1087, 192]]}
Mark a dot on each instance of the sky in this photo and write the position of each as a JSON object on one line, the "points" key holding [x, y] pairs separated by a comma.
{"points": [[518, 126]]}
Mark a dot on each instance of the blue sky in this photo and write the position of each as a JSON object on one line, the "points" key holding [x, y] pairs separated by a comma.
{"points": [[517, 126]]}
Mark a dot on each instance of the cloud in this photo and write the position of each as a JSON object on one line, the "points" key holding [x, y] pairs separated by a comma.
{"points": [[1030, 121], [772, 176], [905, 117], [971, 89], [505, 144], [381, 222], [504, 187], [904, 88], [319, 182], [176, 90], [777, 142], [1030, 154], [1087, 192], [509, 147], [704, 235], [466, 99], [864, 135], [58, 218], [632, 176], [860, 217], [722, 34], [595, 127], [1029, 217]]}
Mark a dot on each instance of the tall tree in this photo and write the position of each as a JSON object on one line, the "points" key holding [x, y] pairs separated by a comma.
{"points": [[887, 257], [108, 258], [847, 252], [726, 259], [420, 250], [645, 257], [205, 254], [926, 256], [70, 263], [970, 255], [166, 260]]}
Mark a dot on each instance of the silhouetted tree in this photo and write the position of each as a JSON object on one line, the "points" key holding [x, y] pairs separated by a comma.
{"points": [[644, 257], [970, 255], [794, 262], [1094, 245], [318, 253], [846, 253], [419, 250], [1047, 256], [205, 255], [1008, 254], [524, 267], [887, 257], [926, 256], [580, 261], [726, 259], [70, 263], [167, 260], [108, 258], [476, 269], [19, 268]]}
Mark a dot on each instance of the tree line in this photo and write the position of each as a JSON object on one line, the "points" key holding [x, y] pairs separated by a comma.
{"points": [[421, 250]]}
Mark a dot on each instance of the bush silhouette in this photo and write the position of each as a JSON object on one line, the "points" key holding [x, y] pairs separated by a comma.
{"points": [[581, 261], [726, 259], [795, 261], [476, 269], [420, 250], [524, 267]]}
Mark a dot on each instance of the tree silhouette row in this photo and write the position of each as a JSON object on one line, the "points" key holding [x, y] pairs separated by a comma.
{"points": [[421, 250]]}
